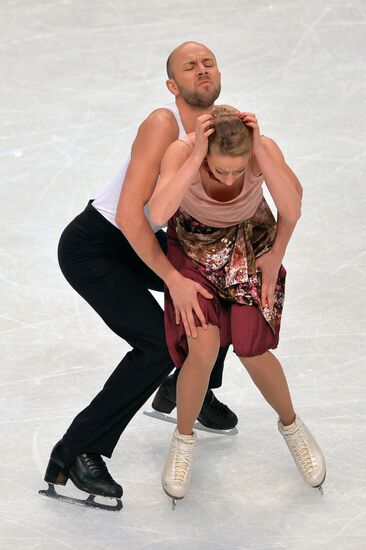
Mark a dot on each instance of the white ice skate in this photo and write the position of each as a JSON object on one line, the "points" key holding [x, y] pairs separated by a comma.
{"points": [[178, 465], [305, 451]]}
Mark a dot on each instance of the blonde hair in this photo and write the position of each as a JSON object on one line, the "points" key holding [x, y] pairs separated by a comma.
{"points": [[231, 137]]}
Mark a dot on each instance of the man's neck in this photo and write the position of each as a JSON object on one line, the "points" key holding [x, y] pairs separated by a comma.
{"points": [[189, 114]]}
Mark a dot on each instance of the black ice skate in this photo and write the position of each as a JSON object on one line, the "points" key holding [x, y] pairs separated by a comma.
{"points": [[214, 417], [87, 471]]}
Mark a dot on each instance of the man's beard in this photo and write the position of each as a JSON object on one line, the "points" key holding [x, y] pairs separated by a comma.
{"points": [[196, 100]]}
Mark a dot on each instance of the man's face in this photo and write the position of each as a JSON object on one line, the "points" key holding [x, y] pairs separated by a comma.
{"points": [[196, 75]]}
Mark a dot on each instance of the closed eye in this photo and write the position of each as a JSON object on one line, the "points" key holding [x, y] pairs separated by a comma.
{"points": [[191, 64], [226, 173]]}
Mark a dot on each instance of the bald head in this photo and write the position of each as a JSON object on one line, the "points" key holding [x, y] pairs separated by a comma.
{"points": [[180, 49]]}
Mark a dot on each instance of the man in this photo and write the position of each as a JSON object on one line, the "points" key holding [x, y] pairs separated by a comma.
{"points": [[113, 277]]}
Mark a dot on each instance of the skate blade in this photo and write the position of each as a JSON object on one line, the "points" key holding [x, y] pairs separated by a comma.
{"points": [[197, 425], [88, 502], [174, 499], [320, 486]]}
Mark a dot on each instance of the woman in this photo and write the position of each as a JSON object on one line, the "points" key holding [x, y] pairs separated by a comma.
{"points": [[221, 233]]}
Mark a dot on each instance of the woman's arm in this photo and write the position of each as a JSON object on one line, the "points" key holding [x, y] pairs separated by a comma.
{"points": [[281, 181], [178, 169], [271, 261], [285, 228], [286, 191]]}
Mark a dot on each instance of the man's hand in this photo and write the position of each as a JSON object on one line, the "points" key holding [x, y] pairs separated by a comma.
{"points": [[270, 264], [183, 292]]}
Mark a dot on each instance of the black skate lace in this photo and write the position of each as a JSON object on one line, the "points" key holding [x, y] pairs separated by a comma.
{"points": [[96, 464], [215, 407]]}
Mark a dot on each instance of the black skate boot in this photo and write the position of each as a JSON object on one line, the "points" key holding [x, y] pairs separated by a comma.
{"points": [[87, 471], [214, 415]]}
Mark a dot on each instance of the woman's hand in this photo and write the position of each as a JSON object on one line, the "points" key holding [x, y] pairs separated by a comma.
{"points": [[249, 119], [269, 264], [202, 131], [183, 292]]}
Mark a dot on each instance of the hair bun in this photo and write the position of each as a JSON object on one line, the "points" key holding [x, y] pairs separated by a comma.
{"points": [[224, 111]]}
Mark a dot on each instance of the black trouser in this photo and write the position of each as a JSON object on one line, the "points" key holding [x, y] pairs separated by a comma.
{"points": [[103, 268]]}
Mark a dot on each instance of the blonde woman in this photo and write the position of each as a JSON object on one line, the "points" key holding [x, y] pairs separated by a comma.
{"points": [[221, 233]]}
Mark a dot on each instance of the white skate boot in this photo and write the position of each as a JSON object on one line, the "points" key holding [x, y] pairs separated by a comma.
{"points": [[177, 470], [305, 451]]}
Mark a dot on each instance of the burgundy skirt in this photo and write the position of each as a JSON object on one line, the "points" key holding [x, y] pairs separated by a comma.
{"points": [[241, 325]]}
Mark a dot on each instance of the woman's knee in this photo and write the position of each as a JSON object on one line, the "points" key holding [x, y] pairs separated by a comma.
{"points": [[204, 349], [252, 361]]}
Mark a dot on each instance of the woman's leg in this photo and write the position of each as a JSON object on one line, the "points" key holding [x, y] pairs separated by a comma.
{"points": [[194, 377], [267, 374], [251, 336]]}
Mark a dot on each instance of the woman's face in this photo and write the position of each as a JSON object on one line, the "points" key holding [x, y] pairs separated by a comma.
{"points": [[227, 169]]}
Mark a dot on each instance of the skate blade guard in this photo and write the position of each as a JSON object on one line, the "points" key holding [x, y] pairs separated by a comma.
{"points": [[89, 502], [197, 425]]}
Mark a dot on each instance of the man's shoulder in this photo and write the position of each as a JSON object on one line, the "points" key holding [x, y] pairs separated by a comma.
{"points": [[160, 122], [163, 116]]}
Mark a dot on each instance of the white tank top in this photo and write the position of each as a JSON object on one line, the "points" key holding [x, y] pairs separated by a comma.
{"points": [[106, 203]]}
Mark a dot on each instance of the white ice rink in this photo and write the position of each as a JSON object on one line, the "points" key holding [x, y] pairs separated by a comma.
{"points": [[77, 77]]}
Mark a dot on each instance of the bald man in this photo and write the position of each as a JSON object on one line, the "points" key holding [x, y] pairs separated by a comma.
{"points": [[111, 254]]}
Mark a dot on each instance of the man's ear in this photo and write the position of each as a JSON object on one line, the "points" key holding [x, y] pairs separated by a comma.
{"points": [[172, 87]]}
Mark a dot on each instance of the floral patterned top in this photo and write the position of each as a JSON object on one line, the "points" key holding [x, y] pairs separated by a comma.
{"points": [[226, 257]]}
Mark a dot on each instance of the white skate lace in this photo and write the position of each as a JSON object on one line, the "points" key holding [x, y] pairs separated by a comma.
{"points": [[183, 453], [298, 443]]}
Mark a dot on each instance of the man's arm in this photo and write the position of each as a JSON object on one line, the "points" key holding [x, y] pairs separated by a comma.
{"points": [[154, 136]]}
